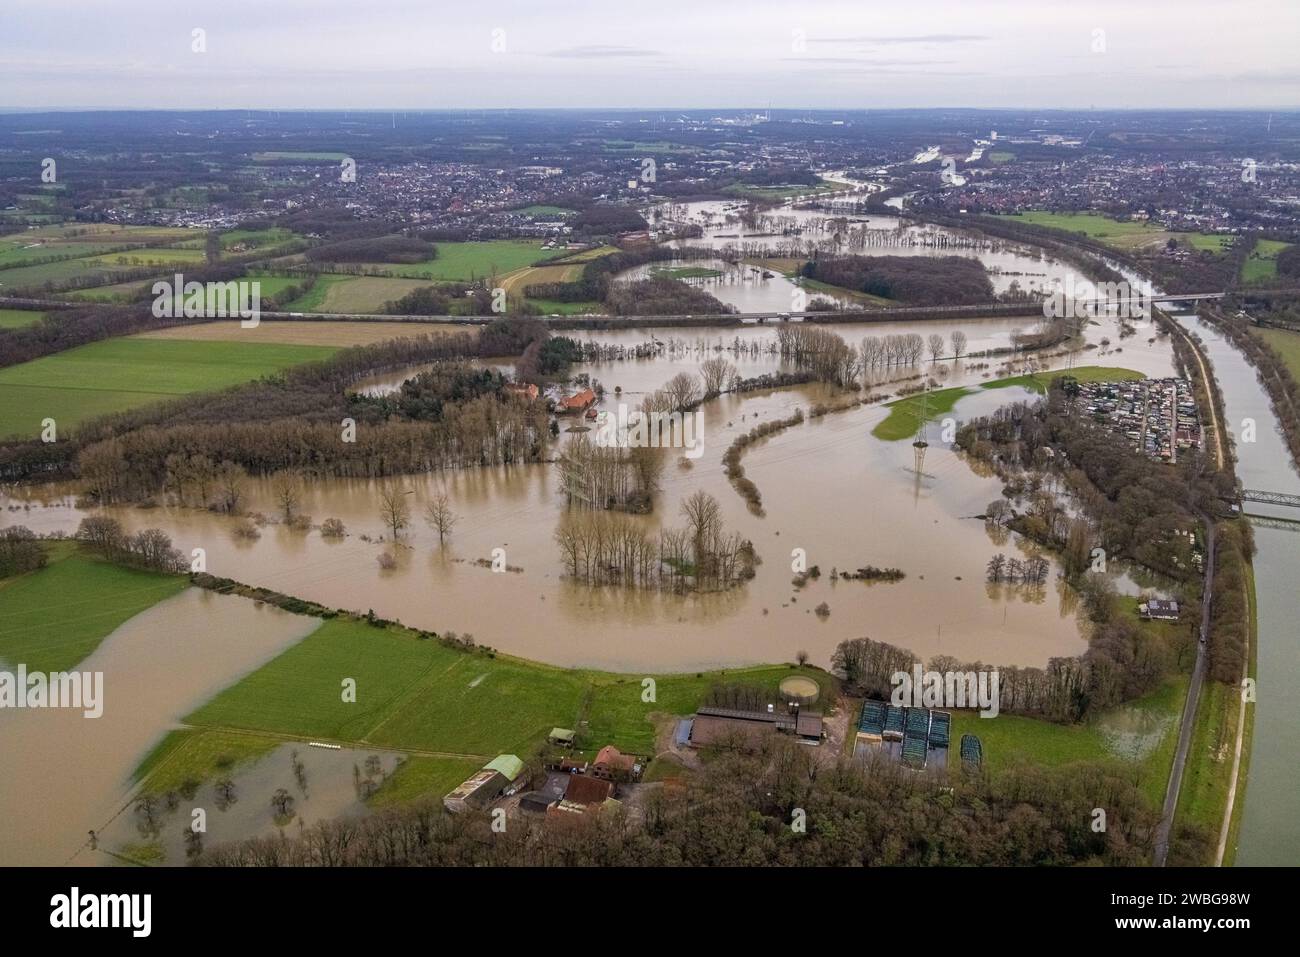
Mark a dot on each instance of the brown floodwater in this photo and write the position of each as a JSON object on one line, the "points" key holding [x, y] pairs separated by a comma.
{"points": [[65, 774], [331, 785], [830, 488]]}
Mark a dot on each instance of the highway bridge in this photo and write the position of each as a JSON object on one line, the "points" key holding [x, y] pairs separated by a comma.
{"points": [[988, 310]]}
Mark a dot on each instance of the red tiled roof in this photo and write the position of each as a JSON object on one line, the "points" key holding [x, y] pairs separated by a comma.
{"points": [[587, 790], [579, 400], [610, 756]]}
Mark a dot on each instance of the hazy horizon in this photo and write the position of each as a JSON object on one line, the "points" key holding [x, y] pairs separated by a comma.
{"points": [[822, 54]]}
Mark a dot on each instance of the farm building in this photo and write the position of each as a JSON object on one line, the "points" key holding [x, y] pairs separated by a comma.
{"points": [[614, 765], [1159, 609], [578, 401], [480, 790], [502, 774], [584, 790], [561, 737], [508, 766], [713, 726], [537, 802]]}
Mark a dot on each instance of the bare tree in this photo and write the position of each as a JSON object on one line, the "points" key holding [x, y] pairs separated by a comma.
{"points": [[439, 515], [394, 509], [286, 486], [715, 373], [936, 346], [958, 343], [684, 390]]}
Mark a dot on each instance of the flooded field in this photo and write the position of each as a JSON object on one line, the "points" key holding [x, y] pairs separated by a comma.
{"points": [[883, 515], [65, 774], [793, 232], [322, 784]]}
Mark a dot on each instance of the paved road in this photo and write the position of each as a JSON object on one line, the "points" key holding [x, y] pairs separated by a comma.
{"points": [[1189, 706]]}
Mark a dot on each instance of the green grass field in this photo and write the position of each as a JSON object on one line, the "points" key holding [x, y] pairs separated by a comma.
{"points": [[905, 414], [1261, 264], [1286, 342], [442, 703], [1010, 740], [545, 211], [420, 777], [52, 618], [552, 307], [18, 318], [354, 294], [465, 261], [117, 374], [685, 272], [1123, 234], [781, 193], [191, 754]]}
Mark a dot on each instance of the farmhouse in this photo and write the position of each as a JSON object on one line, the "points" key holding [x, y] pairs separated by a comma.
{"points": [[578, 401], [1159, 609], [613, 765]]}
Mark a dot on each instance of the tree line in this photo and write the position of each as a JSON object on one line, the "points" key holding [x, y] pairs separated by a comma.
{"points": [[736, 811]]}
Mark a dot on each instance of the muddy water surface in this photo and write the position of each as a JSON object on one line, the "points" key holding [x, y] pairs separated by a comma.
{"points": [[65, 774]]}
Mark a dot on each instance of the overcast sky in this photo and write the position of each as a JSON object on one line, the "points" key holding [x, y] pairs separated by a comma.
{"points": [[413, 54]]}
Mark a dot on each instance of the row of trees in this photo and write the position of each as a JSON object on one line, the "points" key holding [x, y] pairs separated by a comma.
{"points": [[150, 548], [598, 476], [819, 351], [1028, 571], [601, 548]]}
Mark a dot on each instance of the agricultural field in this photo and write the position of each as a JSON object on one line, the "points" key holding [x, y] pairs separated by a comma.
{"points": [[338, 333], [467, 261], [445, 704], [782, 193], [18, 318], [516, 282], [117, 374], [1286, 342], [1261, 264], [113, 293], [354, 294], [546, 211], [1128, 235], [194, 755], [54, 617]]}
